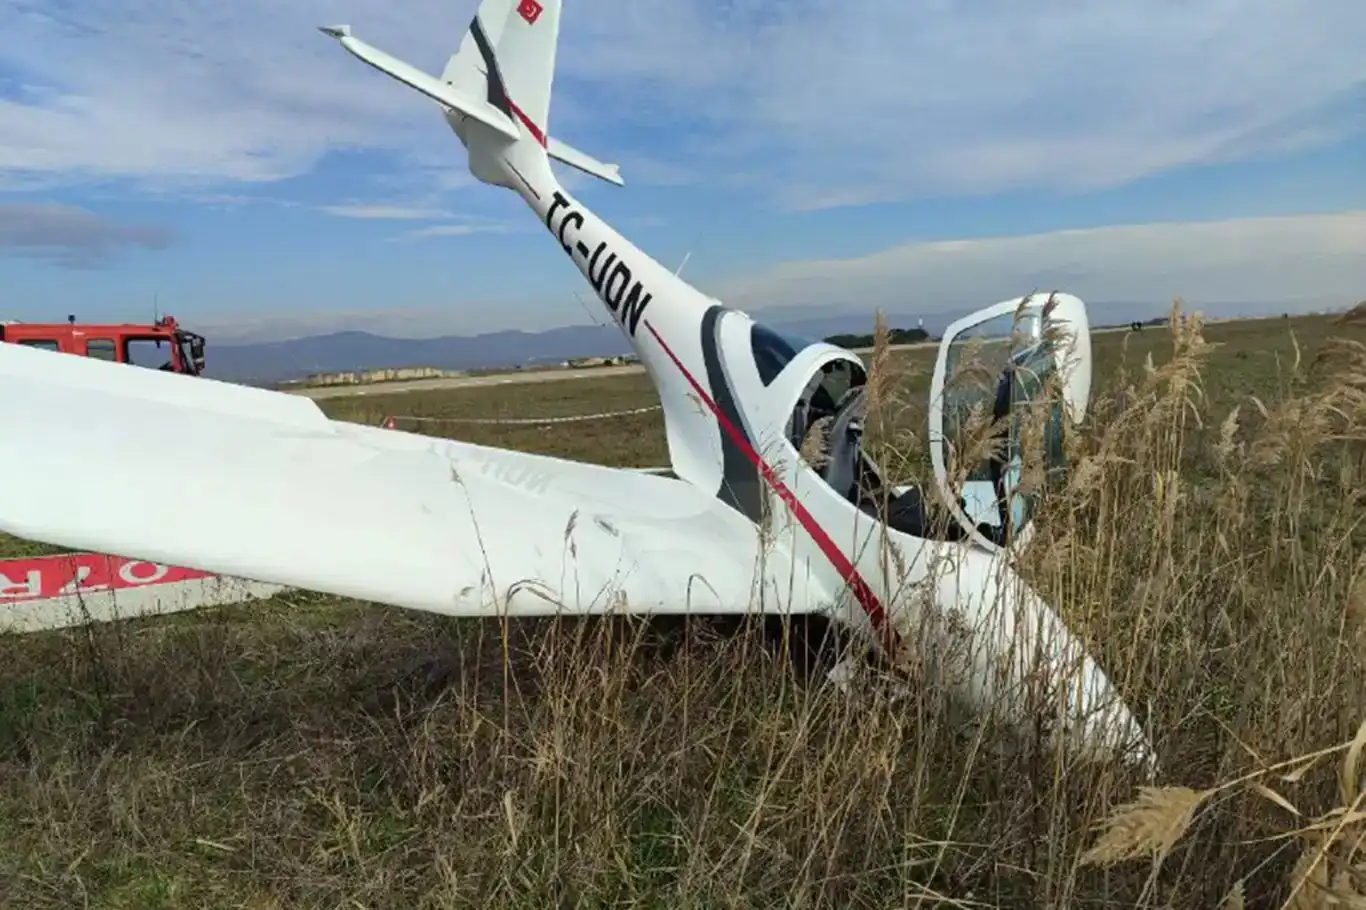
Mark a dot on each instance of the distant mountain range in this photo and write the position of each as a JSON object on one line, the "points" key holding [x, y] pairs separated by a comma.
{"points": [[275, 361]]}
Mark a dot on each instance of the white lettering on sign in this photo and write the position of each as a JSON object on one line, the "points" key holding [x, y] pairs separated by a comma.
{"points": [[142, 578], [32, 585], [76, 573], [78, 582]]}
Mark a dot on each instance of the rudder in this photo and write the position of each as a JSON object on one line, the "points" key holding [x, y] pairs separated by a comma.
{"points": [[507, 56]]}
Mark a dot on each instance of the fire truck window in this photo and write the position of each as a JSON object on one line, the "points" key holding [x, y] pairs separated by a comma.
{"points": [[100, 349], [145, 352], [45, 344]]}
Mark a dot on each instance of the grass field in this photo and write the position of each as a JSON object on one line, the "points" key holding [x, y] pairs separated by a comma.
{"points": [[306, 752]]}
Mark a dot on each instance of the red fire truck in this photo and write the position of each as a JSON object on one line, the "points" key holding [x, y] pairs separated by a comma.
{"points": [[163, 345]]}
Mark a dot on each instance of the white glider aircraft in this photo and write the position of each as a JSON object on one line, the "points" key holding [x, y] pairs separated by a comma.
{"points": [[262, 485]]}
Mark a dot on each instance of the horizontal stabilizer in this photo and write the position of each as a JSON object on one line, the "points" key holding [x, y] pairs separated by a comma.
{"points": [[430, 86], [583, 162]]}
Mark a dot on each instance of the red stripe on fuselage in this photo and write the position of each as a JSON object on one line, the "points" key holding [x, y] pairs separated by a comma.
{"points": [[866, 598], [531, 127]]}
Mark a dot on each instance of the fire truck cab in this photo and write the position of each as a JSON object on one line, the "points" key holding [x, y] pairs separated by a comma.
{"points": [[163, 345]]}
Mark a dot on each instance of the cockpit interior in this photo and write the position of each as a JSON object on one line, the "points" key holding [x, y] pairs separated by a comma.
{"points": [[828, 419], [833, 406]]}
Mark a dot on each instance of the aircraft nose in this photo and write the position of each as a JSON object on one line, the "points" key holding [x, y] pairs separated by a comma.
{"points": [[1011, 653]]}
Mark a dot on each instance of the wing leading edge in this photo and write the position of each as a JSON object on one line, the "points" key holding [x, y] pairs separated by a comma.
{"points": [[262, 485]]}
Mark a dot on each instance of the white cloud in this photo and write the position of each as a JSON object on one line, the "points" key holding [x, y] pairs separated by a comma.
{"points": [[822, 102], [445, 230], [1234, 267], [193, 91], [1256, 264], [385, 212], [462, 229], [233, 201], [70, 236]]}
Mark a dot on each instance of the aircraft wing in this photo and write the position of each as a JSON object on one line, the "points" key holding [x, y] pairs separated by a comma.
{"points": [[261, 485]]}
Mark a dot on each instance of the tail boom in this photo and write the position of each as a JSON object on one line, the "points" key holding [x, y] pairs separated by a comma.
{"points": [[507, 57]]}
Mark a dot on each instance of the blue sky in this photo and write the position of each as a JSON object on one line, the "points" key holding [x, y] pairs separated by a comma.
{"points": [[242, 169]]}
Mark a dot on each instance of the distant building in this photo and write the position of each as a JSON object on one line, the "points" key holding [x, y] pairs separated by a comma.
{"points": [[579, 363], [366, 377]]}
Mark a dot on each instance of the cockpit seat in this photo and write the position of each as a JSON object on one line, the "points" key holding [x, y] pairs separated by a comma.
{"points": [[844, 443], [908, 513]]}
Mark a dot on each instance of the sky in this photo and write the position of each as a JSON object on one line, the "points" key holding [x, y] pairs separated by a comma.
{"points": [[228, 164]]}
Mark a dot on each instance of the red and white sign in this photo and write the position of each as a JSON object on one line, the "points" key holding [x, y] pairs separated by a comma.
{"points": [[43, 577], [72, 589], [529, 10]]}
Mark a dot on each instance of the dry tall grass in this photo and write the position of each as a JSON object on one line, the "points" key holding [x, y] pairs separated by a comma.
{"points": [[306, 753]]}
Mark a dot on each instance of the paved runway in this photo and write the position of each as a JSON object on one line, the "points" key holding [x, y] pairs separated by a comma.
{"points": [[464, 382], [560, 375]]}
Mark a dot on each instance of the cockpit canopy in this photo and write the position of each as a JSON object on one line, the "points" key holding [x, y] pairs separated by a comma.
{"points": [[774, 350], [1012, 373], [1027, 366], [1024, 373], [828, 400]]}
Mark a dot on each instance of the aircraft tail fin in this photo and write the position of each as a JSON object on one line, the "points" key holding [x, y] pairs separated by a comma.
{"points": [[501, 77], [508, 56]]}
